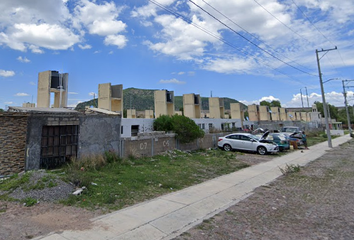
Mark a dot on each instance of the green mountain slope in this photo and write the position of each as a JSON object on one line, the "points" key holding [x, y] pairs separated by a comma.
{"points": [[142, 99]]}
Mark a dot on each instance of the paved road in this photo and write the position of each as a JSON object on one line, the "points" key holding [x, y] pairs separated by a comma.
{"points": [[170, 215]]}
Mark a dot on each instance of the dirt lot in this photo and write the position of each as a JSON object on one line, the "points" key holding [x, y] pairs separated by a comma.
{"points": [[315, 203]]}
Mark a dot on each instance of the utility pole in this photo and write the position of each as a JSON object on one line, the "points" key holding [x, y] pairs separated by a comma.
{"points": [[323, 95], [302, 102], [346, 105], [307, 96]]}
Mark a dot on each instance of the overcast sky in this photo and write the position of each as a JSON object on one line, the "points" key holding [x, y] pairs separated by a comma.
{"points": [[249, 50]]}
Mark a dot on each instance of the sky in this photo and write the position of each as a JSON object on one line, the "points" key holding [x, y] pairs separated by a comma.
{"points": [[249, 50]]}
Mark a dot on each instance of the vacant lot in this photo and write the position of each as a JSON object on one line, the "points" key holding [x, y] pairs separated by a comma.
{"points": [[315, 203]]}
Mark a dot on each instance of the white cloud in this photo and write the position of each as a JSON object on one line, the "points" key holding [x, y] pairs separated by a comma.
{"points": [[118, 40], [32, 83], [269, 99], [32, 25], [72, 93], [23, 59], [42, 35], [333, 98], [92, 94], [35, 49], [5, 73], [174, 81], [104, 28], [86, 46], [9, 103], [21, 95]]}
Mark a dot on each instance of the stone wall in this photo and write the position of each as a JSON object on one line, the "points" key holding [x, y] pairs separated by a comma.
{"points": [[13, 134]]}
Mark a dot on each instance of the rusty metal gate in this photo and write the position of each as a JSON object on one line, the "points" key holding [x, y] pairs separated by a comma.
{"points": [[59, 144]]}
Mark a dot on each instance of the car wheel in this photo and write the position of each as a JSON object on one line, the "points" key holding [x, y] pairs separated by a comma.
{"points": [[261, 150], [227, 147]]}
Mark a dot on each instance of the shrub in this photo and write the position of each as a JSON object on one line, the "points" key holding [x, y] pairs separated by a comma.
{"points": [[185, 128], [163, 123]]}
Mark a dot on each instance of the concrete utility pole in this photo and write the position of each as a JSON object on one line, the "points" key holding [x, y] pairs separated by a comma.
{"points": [[307, 96], [323, 94], [346, 105], [302, 102]]}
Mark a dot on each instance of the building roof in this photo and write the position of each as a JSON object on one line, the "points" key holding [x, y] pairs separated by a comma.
{"points": [[100, 110], [41, 110]]}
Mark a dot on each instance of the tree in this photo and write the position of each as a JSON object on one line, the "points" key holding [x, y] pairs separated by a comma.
{"points": [[1, 110], [332, 110], [185, 128], [274, 103], [264, 103]]}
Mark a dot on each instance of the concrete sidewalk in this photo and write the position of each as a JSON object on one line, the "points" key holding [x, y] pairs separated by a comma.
{"points": [[170, 215]]}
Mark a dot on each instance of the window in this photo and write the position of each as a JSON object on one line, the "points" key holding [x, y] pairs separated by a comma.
{"points": [[245, 138], [135, 130], [234, 137]]}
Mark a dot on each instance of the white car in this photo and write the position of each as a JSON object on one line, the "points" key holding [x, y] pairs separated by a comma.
{"points": [[248, 142]]}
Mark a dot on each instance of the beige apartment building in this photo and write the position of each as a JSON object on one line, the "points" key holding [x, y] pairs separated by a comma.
{"points": [[253, 113], [164, 103], [192, 105], [110, 97], [264, 114], [216, 107], [236, 111], [52, 82]]}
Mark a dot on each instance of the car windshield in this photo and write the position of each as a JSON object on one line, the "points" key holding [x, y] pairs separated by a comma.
{"points": [[290, 129]]}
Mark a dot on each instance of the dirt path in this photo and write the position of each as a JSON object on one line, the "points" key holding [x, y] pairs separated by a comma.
{"points": [[315, 203], [18, 222]]}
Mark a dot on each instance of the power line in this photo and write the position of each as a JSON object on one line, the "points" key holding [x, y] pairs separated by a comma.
{"points": [[222, 40], [248, 40], [327, 39], [280, 21], [251, 34]]}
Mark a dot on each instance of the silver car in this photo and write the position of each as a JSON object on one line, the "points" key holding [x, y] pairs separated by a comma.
{"points": [[248, 142]]}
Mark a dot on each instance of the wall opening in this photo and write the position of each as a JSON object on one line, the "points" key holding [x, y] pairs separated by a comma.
{"points": [[59, 144]]}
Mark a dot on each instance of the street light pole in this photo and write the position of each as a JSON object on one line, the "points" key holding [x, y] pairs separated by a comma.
{"points": [[307, 96], [323, 96], [302, 102]]}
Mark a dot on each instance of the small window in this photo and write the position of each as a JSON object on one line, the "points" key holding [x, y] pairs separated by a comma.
{"points": [[121, 129], [135, 130]]}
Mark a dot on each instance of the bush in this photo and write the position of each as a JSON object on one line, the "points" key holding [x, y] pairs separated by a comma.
{"points": [[163, 123], [185, 128]]}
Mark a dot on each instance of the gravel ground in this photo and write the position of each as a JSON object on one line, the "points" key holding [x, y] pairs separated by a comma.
{"points": [[315, 203]]}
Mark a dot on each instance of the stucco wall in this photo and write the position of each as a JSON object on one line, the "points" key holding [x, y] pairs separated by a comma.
{"points": [[98, 134]]}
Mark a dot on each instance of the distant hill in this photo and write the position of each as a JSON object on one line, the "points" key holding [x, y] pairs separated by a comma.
{"points": [[142, 99]]}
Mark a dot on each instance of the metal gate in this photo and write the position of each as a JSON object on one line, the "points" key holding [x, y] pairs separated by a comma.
{"points": [[59, 144]]}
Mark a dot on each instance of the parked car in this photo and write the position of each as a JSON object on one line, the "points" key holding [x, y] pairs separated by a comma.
{"points": [[281, 140], [248, 142], [290, 129]]}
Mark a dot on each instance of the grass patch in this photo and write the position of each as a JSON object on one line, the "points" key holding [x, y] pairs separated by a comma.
{"points": [[29, 202], [15, 181], [120, 183], [292, 168]]}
